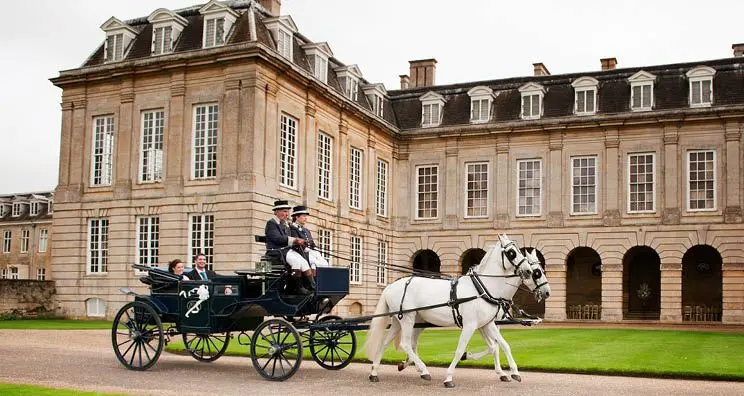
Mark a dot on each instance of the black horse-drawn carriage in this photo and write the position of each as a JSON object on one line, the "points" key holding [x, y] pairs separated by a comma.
{"points": [[209, 314]]}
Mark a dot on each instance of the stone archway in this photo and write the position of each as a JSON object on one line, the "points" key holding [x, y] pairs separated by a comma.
{"points": [[470, 258], [583, 284], [523, 299], [641, 283], [702, 284], [427, 260]]}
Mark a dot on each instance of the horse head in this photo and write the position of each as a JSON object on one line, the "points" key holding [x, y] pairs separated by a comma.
{"points": [[537, 282], [514, 257]]}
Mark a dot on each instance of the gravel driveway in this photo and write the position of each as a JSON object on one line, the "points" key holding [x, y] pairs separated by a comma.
{"points": [[85, 360]]}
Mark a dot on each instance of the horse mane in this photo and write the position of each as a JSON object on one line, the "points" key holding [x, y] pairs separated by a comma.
{"points": [[485, 258]]}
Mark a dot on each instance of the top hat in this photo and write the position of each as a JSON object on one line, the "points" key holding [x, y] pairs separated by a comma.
{"points": [[281, 204], [300, 210]]}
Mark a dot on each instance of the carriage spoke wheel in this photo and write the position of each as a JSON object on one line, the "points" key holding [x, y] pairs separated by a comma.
{"points": [[137, 336], [276, 349], [332, 349], [206, 347]]}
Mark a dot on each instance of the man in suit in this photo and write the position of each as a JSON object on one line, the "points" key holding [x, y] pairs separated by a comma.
{"points": [[299, 229], [200, 271], [278, 243]]}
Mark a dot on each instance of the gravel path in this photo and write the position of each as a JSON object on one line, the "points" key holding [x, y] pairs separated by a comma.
{"points": [[84, 360]]}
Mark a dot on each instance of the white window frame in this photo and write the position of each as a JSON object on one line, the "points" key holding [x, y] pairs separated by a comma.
{"points": [[119, 36], [41, 274], [468, 190], [284, 43], [43, 240], [4, 209], [640, 80], [325, 166], [17, 209], [152, 146], [288, 151], [98, 246], [7, 241], [521, 191], [13, 273], [148, 240], [431, 101], [33, 208], [50, 207], [699, 75], [419, 193], [117, 53], [356, 176], [102, 151], [715, 181], [382, 262], [381, 192], [325, 243], [25, 240], [483, 97], [378, 105], [596, 185], [201, 238], [163, 44], [3, 273], [585, 87], [630, 183], [321, 68], [95, 307], [356, 245], [204, 141], [352, 88], [534, 92], [215, 39]]}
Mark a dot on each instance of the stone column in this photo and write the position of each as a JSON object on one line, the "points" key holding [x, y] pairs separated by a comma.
{"points": [[310, 152], [612, 180], [177, 140], [65, 146], [612, 289], [732, 204], [554, 178], [342, 178], [370, 185], [452, 175], [79, 151], [271, 136], [251, 116], [125, 143], [400, 200], [671, 171], [671, 291], [227, 166], [555, 306], [501, 184], [733, 289]]}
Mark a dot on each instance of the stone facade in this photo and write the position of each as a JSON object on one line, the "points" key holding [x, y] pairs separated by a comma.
{"points": [[25, 236], [27, 298]]}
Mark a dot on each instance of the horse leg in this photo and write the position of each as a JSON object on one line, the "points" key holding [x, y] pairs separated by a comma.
{"points": [[507, 351], [414, 341], [406, 333], [394, 329], [467, 332], [491, 334]]}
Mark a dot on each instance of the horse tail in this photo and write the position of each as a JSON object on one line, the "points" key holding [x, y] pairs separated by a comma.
{"points": [[376, 333]]}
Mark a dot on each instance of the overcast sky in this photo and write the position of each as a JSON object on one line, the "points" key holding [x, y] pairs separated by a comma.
{"points": [[471, 39]]}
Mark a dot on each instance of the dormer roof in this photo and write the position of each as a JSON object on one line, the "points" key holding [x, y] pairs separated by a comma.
{"points": [[165, 15], [531, 87], [351, 69], [480, 91], [285, 20], [432, 96], [642, 75], [323, 47], [114, 24], [214, 7]]}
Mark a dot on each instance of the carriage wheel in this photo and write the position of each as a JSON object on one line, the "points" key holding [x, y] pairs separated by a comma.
{"points": [[137, 336], [276, 349], [332, 349], [206, 347]]}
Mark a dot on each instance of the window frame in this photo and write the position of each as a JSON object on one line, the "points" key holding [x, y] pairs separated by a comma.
{"points": [[325, 243], [204, 235], [467, 189], [25, 240], [596, 185], [161, 44], [151, 240], [106, 143], [325, 166], [33, 208], [211, 115], [156, 134], [383, 255], [531, 90], [7, 241], [103, 252], [355, 265], [356, 178], [43, 237], [205, 32], [539, 161], [41, 274], [699, 75], [381, 188], [417, 208], [288, 156], [17, 210], [653, 183], [715, 181]]}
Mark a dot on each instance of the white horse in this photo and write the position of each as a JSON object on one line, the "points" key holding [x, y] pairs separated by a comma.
{"points": [[502, 270]]}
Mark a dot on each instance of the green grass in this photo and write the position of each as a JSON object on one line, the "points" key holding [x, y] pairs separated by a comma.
{"points": [[663, 353], [55, 324], [31, 390]]}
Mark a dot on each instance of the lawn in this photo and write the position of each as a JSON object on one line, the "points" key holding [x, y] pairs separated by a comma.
{"points": [[55, 324], [598, 351], [23, 390]]}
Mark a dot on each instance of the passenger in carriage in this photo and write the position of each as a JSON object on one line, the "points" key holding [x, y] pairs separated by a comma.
{"points": [[278, 238], [200, 271], [298, 229], [176, 267]]}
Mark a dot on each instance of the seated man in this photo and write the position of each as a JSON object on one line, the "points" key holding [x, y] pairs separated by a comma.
{"points": [[278, 241], [200, 271], [299, 230]]}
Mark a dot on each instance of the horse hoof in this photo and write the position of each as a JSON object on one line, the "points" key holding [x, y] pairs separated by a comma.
{"points": [[464, 356], [505, 379], [401, 366], [374, 378], [426, 377], [449, 384], [516, 377]]}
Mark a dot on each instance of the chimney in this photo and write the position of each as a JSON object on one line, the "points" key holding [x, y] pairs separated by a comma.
{"points": [[423, 73], [404, 81], [608, 63], [273, 7], [738, 49], [540, 69]]}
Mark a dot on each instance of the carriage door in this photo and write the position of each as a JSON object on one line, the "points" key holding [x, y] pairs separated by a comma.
{"points": [[194, 306]]}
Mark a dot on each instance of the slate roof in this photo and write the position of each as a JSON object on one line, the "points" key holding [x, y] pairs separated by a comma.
{"points": [[27, 198]]}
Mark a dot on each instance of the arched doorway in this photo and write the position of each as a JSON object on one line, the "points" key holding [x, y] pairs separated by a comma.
{"points": [[641, 284], [583, 284], [525, 300], [702, 284], [470, 258], [426, 260]]}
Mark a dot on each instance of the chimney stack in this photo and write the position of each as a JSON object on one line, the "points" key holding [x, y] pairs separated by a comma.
{"points": [[608, 63], [540, 69], [272, 6], [423, 73], [738, 49], [404, 81]]}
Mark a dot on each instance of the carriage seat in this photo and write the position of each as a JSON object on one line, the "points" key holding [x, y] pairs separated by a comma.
{"points": [[160, 281], [280, 269]]}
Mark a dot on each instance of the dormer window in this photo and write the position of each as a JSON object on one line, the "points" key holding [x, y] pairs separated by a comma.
{"points": [[642, 91], [480, 104], [431, 109], [118, 38], [4, 209], [377, 105], [585, 95], [33, 209], [17, 209], [701, 86], [166, 28], [532, 101], [283, 29], [348, 79], [50, 207], [317, 56], [376, 95], [218, 20]]}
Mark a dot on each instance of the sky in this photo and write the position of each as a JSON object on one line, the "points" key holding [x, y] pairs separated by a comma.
{"points": [[471, 40]]}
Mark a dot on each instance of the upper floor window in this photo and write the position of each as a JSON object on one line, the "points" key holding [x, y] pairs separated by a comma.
{"points": [[476, 191], [381, 193], [17, 209], [377, 105], [431, 109], [585, 95], [218, 19], [33, 208], [701, 86], [118, 38], [204, 145], [641, 170], [325, 247], [584, 185], [43, 240], [348, 79], [352, 88], [532, 101], [288, 152], [642, 91], [162, 40], [148, 240], [214, 32], [355, 178], [4, 209], [50, 207], [376, 94], [355, 267], [283, 29], [427, 192], [98, 237], [480, 104], [701, 180], [325, 166], [201, 239], [317, 55], [102, 163], [151, 154], [7, 239], [382, 261], [25, 239], [529, 186], [166, 27], [41, 274]]}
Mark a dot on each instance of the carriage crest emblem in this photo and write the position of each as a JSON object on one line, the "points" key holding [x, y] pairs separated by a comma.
{"points": [[194, 306]]}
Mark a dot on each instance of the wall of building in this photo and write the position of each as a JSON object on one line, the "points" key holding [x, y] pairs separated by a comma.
{"points": [[27, 298]]}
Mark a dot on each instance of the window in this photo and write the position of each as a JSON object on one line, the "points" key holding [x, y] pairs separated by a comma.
{"points": [[324, 244], [162, 42], [43, 240], [148, 241], [102, 166], [284, 43], [325, 166], [377, 105], [585, 98], [283, 29], [166, 28], [41, 274], [118, 37], [151, 156], [4, 209], [50, 207], [204, 150], [641, 183], [25, 237], [114, 50], [14, 273], [532, 97], [214, 32], [480, 110], [701, 180], [529, 196], [427, 188], [95, 307], [476, 191], [642, 91], [17, 209], [355, 270], [98, 230], [382, 261], [430, 115], [201, 239], [584, 185], [321, 68], [701, 86], [3, 273], [352, 88], [34, 208], [288, 152], [355, 179], [381, 201], [6, 241]]}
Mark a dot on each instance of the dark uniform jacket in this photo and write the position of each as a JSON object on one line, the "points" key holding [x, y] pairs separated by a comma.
{"points": [[194, 274], [277, 237], [297, 231]]}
